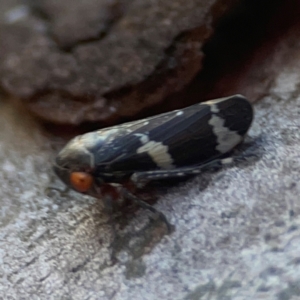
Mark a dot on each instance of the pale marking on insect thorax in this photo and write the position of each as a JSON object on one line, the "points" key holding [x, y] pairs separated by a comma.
{"points": [[226, 138], [159, 154], [213, 106], [144, 138], [76, 147]]}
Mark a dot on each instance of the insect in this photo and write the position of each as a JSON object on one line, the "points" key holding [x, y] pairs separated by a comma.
{"points": [[118, 160]]}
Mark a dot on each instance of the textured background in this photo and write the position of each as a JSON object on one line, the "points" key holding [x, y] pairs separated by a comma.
{"points": [[237, 230]]}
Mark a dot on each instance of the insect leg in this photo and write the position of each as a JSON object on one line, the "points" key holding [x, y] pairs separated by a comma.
{"points": [[142, 178], [52, 186], [145, 205]]}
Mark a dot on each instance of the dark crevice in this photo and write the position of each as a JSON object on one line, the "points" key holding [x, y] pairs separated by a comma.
{"points": [[237, 36]]}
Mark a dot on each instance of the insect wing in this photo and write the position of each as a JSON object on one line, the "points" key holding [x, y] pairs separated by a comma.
{"points": [[179, 138], [129, 147]]}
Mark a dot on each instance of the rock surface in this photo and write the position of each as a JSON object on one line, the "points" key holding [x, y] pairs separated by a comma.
{"points": [[72, 62]]}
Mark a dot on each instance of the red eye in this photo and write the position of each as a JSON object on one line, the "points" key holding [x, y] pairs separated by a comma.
{"points": [[81, 181]]}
